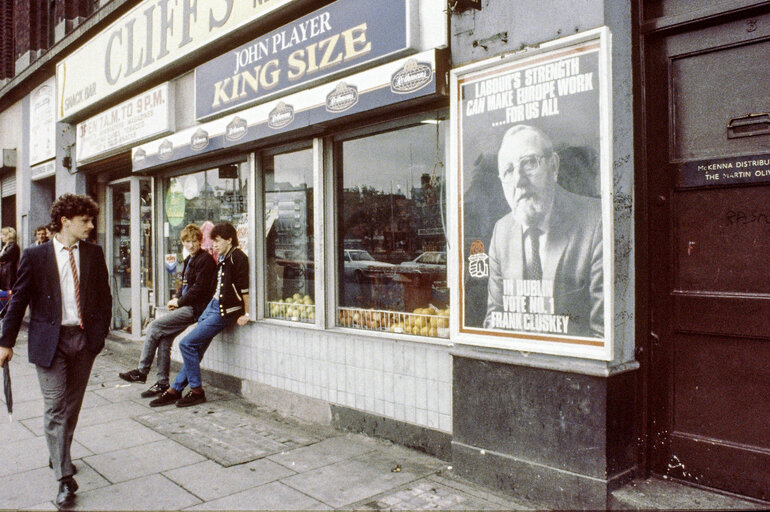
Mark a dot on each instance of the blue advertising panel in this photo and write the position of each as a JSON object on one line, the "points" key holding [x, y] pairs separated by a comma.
{"points": [[415, 77], [344, 35]]}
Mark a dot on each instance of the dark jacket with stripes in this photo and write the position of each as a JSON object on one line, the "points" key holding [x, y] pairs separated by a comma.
{"points": [[200, 276], [233, 272]]}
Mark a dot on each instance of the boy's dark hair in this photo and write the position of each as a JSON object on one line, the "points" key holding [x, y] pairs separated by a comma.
{"points": [[40, 228], [71, 205], [225, 231]]}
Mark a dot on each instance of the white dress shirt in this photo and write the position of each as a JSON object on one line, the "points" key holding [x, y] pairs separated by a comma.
{"points": [[69, 305]]}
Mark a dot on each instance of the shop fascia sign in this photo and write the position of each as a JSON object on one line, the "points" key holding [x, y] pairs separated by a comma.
{"points": [[150, 37], [338, 38], [418, 76], [143, 117]]}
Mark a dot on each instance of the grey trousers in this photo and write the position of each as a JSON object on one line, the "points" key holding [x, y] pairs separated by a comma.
{"points": [[160, 336], [63, 385]]}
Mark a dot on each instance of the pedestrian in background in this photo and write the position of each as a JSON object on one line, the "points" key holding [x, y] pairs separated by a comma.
{"points": [[65, 285], [9, 258], [41, 235]]}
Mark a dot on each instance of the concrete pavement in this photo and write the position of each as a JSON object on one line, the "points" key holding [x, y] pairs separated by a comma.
{"points": [[230, 454], [226, 454]]}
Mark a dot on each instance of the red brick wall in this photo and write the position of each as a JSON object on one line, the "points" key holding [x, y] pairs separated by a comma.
{"points": [[6, 39]]}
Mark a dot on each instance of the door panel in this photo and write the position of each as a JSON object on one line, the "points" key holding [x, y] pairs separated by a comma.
{"points": [[710, 255]]}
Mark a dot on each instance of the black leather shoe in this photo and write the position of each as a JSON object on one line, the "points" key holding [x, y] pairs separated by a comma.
{"points": [[74, 467], [192, 398], [154, 390], [133, 376], [66, 496], [166, 398]]}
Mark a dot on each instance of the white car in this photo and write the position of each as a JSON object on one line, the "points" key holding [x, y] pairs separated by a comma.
{"points": [[360, 266]]}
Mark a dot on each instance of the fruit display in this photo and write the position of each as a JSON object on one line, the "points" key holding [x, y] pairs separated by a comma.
{"points": [[428, 321], [297, 308]]}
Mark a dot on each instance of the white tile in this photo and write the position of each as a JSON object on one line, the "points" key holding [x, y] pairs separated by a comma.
{"points": [[420, 393], [398, 359], [342, 377], [431, 363], [410, 392], [421, 416], [379, 406], [390, 410], [433, 421], [350, 399], [387, 357], [445, 422], [369, 403], [445, 368], [399, 389], [360, 383], [377, 354], [420, 361], [408, 360], [369, 355], [378, 385], [398, 412], [388, 387], [433, 396], [350, 378], [331, 396], [410, 414], [444, 398]]}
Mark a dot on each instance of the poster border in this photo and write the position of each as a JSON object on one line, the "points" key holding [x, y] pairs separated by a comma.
{"points": [[598, 40]]}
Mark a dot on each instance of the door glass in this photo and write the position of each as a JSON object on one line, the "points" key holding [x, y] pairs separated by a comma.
{"points": [[121, 256], [203, 198], [289, 262], [145, 239]]}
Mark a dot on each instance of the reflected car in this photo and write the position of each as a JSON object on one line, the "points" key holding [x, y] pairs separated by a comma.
{"points": [[428, 267], [361, 266]]}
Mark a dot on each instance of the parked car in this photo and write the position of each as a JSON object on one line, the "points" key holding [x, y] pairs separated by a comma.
{"points": [[361, 266], [430, 262]]}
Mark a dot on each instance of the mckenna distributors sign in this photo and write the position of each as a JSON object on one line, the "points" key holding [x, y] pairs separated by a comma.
{"points": [[344, 35], [151, 36]]}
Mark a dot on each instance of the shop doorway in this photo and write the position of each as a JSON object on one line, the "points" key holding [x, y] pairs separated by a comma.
{"points": [[706, 135], [130, 213]]}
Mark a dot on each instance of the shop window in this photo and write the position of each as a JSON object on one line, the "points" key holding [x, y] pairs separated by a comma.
{"points": [[392, 273], [289, 262], [205, 199]]}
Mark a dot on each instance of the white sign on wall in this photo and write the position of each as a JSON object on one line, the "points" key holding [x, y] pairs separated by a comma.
{"points": [[150, 37], [141, 118], [42, 122]]}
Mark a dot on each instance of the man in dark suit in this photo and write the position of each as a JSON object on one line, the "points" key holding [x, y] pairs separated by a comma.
{"points": [[545, 257], [64, 282]]}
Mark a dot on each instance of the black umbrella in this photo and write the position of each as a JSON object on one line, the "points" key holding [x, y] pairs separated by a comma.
{"points": [[8, 392]]}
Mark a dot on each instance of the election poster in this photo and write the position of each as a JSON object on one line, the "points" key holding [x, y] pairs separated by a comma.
{"points": [[533, 200]]}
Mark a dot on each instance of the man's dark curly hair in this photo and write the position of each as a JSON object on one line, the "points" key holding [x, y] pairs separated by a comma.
{"points": [[225, 231], [71, 205]]}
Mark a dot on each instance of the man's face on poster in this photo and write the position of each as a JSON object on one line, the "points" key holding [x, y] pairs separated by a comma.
{"points": [[528, 169]]}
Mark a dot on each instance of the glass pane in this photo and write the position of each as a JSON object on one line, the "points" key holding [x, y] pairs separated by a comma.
{"points": [[121, 256], [392, 252], [289, 261], [145, 240], [203, 198]]}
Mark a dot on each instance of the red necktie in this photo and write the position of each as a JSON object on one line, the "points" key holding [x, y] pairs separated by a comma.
{"points": [[77, 282]]}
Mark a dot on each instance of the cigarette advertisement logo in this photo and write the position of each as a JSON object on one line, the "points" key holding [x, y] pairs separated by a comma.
{"points": [[281, 116], [165, 150], [342, 98], [236, 129], [139, 156], [478, 266], [412, 77], [199, 139]]}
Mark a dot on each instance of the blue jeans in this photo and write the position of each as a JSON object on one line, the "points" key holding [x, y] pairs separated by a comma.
{"points": [[194, 345]]}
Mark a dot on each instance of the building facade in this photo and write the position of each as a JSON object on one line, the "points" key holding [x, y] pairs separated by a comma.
{"points": [[368, 154]]}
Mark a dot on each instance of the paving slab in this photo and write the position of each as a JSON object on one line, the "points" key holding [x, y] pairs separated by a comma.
{"points": [[115, 435], [351, 481], [143, 460], [28, 454], [152, 492], [11, 431], [323, 453], [28, 489], [427, 495], [24, 410], [272, 496], [655, 493], [224, 435], [210, 481]]}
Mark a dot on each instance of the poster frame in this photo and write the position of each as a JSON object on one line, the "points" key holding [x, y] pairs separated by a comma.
{"points": [[571, 346]]}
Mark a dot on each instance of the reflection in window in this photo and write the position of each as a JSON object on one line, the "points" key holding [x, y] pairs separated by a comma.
{"points": [[392, 239], [204, 198], [289, 262]]}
